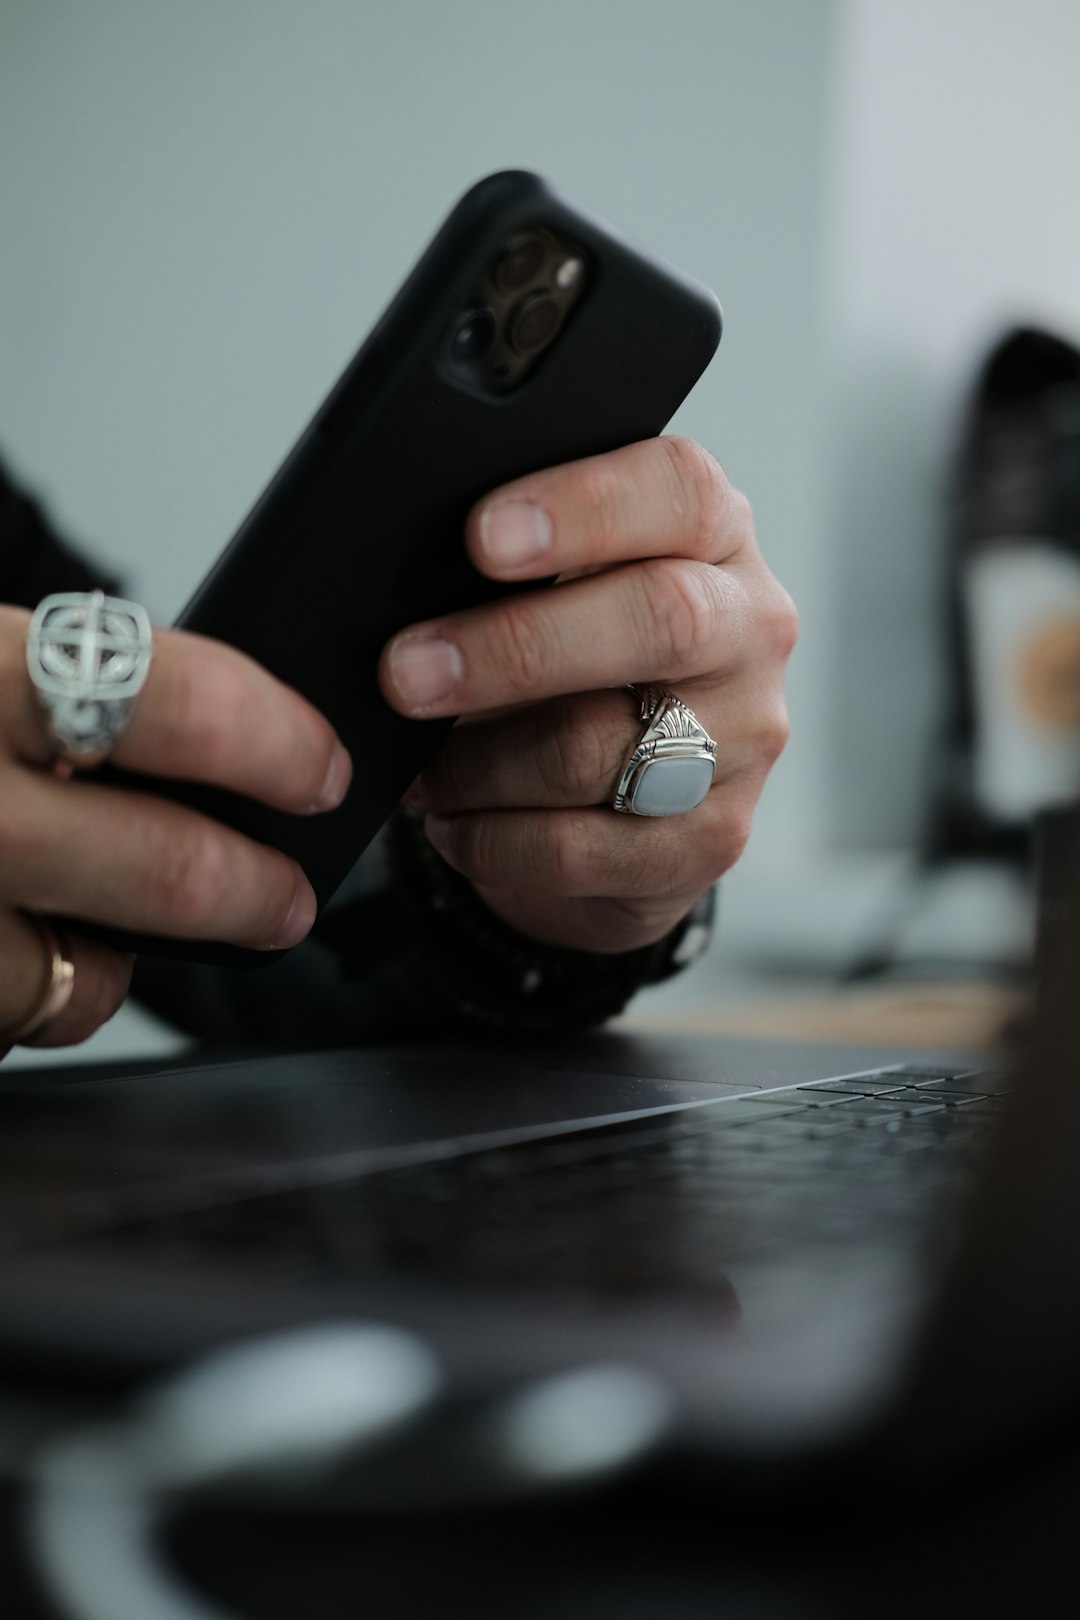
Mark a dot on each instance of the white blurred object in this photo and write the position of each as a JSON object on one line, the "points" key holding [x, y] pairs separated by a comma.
{"points": [[1023, 613], [283, 1406], [581, 1424], [274, 1410]]}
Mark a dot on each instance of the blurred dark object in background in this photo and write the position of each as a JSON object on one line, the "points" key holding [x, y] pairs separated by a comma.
{"points": [[1011, 741], [1009, 746], [1056, 850]]}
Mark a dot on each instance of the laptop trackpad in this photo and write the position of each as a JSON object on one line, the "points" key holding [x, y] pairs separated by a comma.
{"points": [[280, 1120]]}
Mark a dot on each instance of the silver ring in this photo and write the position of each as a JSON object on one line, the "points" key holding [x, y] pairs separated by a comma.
{"points": [[88, 655], [671, 768]]}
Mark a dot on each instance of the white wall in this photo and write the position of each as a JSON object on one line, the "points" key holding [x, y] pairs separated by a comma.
{"points": [[205, 206]]}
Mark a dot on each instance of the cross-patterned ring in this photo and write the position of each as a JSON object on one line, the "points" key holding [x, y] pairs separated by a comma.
{"points": [[88, 655]]}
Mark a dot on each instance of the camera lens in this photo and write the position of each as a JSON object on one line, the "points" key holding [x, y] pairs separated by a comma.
{"points": [[534, 322], [520, 264], [474, 336]]}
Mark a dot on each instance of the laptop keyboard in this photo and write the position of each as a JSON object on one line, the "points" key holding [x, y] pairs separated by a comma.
{"points": [[833, 1168], [835, 1164]]}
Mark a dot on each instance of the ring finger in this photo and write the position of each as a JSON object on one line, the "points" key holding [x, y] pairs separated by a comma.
{"points": [[569, 752], [98, 988]]}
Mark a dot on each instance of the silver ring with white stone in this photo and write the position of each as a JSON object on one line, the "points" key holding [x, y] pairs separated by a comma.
{"points": [[672, 766], [88, 655]]}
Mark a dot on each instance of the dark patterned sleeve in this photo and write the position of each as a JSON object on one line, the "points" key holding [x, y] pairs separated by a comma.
{"points": [[34, 561]]}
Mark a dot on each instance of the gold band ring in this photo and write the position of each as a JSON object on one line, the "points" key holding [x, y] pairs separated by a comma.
{"points": [[57, 986]]}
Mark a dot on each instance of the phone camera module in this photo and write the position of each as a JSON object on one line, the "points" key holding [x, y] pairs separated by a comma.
{"points": [[534, 322], [520, 264], [522, 295], [475, 336]]}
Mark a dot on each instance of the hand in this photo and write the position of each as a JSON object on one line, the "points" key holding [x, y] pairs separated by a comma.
{"points": [[74, 847], [660, 581]]}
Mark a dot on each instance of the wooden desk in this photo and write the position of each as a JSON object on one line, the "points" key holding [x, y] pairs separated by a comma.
{"points": [[964, 1016]]}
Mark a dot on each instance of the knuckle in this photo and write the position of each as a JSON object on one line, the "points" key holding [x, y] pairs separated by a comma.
{"points": [[701, 492], [190, 878], [729, 836], [683, 611], [642, 870], [564, 851], [773, 733], [597, 496], [576, 764], [524, 655], [781, 624], [739, 516], [205, 710]]}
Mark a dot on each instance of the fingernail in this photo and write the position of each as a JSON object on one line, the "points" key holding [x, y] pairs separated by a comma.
{"points": [[425, 669], [336, 784], [297, 924], [513, 533]]}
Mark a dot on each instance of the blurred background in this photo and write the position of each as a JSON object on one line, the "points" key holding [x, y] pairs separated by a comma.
{"points": [[204, 207]]}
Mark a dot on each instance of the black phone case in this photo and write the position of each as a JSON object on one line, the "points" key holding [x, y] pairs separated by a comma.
{"points": [[360, 533]]}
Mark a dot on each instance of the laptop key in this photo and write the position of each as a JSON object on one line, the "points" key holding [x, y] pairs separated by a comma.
{"points": [[979, 1087]]}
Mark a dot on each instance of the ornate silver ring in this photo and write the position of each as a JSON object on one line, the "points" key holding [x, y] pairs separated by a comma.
{"points": [[88, 655], [672, 766]]}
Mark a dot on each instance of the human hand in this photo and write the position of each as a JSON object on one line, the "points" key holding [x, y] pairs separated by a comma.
{"points": [[74, 847], [660, 582]]}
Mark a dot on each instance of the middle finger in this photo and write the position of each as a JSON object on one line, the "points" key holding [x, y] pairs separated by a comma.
{"points": [[670, 618], [81, 849]]}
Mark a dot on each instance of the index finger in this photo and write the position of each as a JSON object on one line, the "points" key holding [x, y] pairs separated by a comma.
{"points": [[662, 497]]}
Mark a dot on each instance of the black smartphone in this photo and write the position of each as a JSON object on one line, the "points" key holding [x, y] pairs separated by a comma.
{"points": [[530, 333]]}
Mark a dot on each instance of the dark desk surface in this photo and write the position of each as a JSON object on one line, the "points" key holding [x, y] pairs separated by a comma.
{"points": [[650, 1551]]}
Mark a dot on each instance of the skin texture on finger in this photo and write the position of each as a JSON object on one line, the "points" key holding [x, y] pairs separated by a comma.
{"points": [[671, 616], [659, 581], [607, 926], [99, 986], [571, 751], [580, 854], [662, 497], [207, 713], [591, 879], [80, 849], [659, 576]]}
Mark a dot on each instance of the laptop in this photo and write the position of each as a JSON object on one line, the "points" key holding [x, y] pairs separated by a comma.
{"points": [[728, 1253]]}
